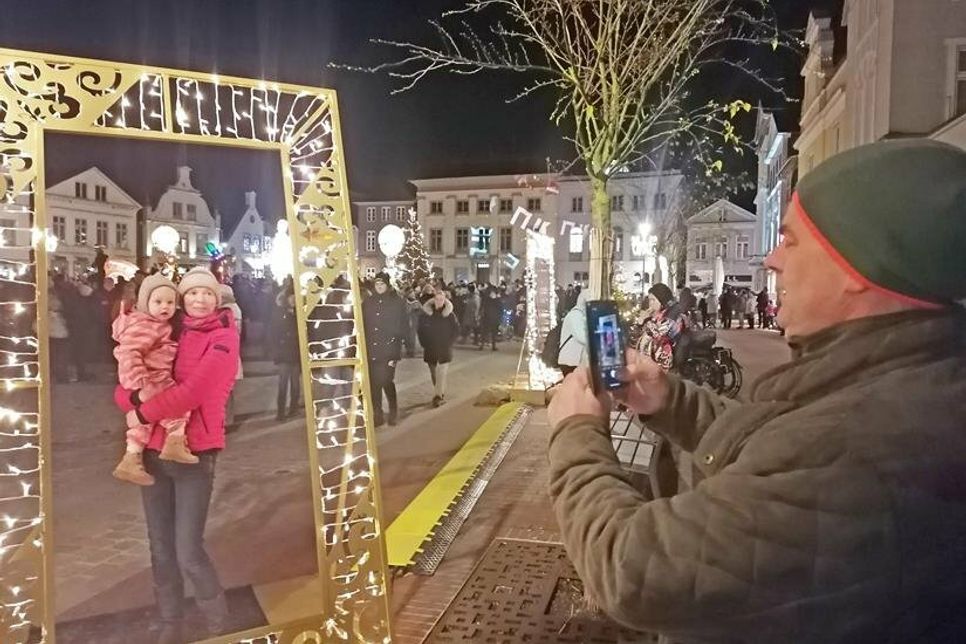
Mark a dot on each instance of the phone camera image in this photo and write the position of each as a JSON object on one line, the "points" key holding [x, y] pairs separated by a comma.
{"points": [[606, 344]]}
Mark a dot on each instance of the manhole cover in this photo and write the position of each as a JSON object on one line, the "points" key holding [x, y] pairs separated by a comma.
{"points": [[525, 591]]}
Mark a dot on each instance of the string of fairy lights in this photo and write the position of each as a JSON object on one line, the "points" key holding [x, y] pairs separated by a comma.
{"points": [[539, 280], [155, 102]]}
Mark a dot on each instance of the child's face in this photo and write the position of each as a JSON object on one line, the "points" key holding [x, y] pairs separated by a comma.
{"points": [[162, 303]]}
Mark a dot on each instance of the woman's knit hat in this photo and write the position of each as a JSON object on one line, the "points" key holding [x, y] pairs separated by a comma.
{"points": [[149, 284], [200, 277], [662, 293]]}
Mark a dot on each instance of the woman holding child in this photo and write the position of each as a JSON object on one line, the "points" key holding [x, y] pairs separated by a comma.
{"points": [[176, 491]]}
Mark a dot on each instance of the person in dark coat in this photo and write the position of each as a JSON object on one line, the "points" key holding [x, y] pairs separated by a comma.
{"points": [[726, 306], [285, 341], [490, 317], [386, 322], [438, 330], [762, 307]]}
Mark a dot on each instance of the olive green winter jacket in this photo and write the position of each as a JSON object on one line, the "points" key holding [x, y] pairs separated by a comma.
{"points": [[829, 508]]}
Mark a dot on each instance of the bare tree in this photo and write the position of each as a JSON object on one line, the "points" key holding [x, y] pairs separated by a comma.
{"points": [[623, 71]]}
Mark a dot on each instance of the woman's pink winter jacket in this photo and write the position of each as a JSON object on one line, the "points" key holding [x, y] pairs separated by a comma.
{"points": [[204, 369]]}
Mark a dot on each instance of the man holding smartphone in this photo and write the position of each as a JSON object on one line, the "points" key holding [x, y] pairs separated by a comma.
{"points": [[831, 507]]}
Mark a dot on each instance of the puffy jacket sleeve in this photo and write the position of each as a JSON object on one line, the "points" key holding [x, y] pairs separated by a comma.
{"points": [[133, 344], [219, 363], [751, 555], [689, 413]]}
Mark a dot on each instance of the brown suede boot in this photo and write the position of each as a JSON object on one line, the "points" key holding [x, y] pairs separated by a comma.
{"points": [[175, 449], [131, 469]]}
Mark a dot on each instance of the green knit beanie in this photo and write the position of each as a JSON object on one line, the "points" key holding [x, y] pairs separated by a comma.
{"points": [[893, 214]]}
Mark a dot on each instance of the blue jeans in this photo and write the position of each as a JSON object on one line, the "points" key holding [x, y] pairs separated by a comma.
{"points": [[176, 509]]}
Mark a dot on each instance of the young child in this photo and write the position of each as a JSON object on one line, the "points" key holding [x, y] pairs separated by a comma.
{"points": [[145, 356]]}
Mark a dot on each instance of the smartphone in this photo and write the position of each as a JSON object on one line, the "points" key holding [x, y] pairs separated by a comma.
{"points": [[605, 338]]}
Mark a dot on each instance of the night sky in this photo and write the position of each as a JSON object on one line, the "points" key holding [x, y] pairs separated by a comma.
{"points": [[447, 126]]}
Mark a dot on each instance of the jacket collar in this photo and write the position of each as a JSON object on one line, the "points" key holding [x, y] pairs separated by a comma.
{"points": [[221, 319], [429, 308], [836, 357]]}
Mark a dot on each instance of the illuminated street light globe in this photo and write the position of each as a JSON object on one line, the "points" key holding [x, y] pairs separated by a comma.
{"points": [[165, 239], [391, 240]]}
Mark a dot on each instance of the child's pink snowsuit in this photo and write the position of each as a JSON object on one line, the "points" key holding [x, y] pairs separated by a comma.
{"points": [[145, 355]]}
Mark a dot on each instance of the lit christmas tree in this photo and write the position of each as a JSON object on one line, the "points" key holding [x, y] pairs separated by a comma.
{"points": [[413, 263]]}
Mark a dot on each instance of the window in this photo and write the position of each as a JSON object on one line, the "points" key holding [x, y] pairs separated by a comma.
{"points": [[721, 249], [386, 212], [506, 205], [101, 229], [201, 240], [436, 207], [183, 244], [701, 250], [8, 236], [462, 240], [576, 245], [436, 240], [534, 204], [80, 190], [59, 226], [463, 207], [192, 212], [480, 237], [267, 244], [577, 204], [617, 203], [370, 214], [177, 210], [482, 206], [618, 242], [120, 235], [246, 243], [371, 240], [506, 240], [370, 272], [743, 246], [960, 81], [400, 213], [581, 278], [100, 193], [80, 231], [660, 201], [636, 202]]}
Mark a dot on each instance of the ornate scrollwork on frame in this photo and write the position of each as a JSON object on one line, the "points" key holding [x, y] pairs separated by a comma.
{"points": [[41, 93]]}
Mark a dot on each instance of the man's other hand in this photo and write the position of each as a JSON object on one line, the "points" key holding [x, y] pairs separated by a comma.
{"points": [[575, 397], [647, 389]]}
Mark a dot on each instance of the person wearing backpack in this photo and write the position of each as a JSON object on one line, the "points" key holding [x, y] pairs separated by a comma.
{"points": [[573, 336]]}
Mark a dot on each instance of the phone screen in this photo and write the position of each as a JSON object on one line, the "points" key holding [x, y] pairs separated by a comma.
{"points": [[606, 342]]}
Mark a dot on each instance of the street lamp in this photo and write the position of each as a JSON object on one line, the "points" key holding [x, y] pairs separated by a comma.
{"points": [[165, 239]]}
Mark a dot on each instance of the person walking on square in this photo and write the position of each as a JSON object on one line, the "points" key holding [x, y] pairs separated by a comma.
{"points": [[438, 330], [145, 355], [176, 506], [490, 318], [386, 319], [287, 354]]}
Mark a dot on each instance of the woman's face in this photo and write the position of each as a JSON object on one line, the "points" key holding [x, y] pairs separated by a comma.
{"points": [[653, 304], [199, 302], [439, 299]]}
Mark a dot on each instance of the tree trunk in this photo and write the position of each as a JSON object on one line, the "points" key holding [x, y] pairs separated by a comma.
{"points": [[601, 241]]}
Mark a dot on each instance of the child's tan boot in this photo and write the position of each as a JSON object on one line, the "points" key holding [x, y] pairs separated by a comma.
{"points": [[176, 450], [131, 469]]}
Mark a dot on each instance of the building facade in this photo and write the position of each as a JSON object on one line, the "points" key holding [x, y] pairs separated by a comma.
{"points": [[88, 212], [777, 174], [183, 207], [903, 73], [721, 230], [371, 217], [249, 240], [472, 229]]}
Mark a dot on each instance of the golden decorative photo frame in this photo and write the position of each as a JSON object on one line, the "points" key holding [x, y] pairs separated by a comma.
{"points": [[44, 93]]}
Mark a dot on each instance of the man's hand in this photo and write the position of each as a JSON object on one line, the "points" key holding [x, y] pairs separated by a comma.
{"points": [[647, 389], [576, 397]]}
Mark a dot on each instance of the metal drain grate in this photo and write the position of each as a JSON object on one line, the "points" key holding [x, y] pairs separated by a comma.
{"points": [[433, 551], [526, 591]]}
